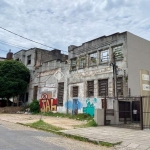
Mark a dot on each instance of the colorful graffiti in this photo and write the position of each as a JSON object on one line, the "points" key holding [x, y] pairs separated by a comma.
{"points": [[74, 105], [89, 109], [48, 104]]}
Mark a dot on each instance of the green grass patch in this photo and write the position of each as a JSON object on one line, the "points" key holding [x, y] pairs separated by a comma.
{"points": [[44, 126], [90, 123], [81, 117]]}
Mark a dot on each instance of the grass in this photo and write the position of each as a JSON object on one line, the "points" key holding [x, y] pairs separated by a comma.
{"points": [[44, 126], [81, 117], [90, 123]]}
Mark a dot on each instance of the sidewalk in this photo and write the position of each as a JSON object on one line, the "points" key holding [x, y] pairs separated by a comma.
{"points": [[131, 139]]}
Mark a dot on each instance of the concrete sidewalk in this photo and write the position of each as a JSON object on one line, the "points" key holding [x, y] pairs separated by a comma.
{"points": [[131, 139]]}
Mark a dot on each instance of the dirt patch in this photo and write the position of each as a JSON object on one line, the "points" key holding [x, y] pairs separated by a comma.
{"points": [[56, 121]]}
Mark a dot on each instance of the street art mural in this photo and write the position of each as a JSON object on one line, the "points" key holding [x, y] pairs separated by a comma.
{"points": [[48, 104], [86, 105], [90, 106], [83, 105]]}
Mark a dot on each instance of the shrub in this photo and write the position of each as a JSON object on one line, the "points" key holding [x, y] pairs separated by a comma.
{"points": [[34, 106]]}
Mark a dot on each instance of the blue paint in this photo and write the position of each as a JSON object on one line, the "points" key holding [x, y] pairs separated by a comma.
{"points": [[80, 105], [69, 105]]}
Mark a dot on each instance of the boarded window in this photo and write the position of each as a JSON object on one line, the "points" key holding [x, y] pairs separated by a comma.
{"points": [[90, 88], [82, 62], [93, 59], [35, 92], [60, 93], [75, 91], [104, 55], [103, 87], [119, 86], [28, 59]]}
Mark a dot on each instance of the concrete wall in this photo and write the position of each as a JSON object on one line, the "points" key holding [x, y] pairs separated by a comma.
{"points": [[138, 58], [79, 77], [46, 79]]}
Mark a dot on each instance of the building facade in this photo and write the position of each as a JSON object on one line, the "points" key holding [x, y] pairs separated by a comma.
{"points": [[108, 66], [92, 75], [41, 64]]}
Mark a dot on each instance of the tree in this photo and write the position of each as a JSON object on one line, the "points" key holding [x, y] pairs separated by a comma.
{"points": [[14, 77]]}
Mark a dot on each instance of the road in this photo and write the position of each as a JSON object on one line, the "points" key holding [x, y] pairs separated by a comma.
{"points": [[18, 137]]}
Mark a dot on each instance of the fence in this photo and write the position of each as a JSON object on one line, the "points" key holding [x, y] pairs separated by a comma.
{"points": [[130, 112]]}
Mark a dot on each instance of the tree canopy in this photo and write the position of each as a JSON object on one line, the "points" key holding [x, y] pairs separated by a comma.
{"points": [[14, 77]]}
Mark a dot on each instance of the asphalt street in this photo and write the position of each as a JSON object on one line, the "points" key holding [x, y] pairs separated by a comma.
{"points": [[25, 140], [18, 137]]}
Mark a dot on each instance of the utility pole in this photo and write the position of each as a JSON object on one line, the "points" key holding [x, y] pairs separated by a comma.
{"points": [[115, 73]]}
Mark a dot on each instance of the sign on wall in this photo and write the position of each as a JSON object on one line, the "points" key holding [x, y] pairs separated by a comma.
{"points": [[48, 104]]}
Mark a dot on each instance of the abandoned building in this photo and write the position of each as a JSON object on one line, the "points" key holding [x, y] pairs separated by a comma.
{"points": [[108, 66], [42, 64]]}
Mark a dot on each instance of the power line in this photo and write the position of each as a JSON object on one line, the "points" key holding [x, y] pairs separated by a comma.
{"points": [[14, 45], [28, 39]]}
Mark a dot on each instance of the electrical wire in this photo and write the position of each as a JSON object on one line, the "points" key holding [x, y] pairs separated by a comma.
{"points": [[28, 39]]}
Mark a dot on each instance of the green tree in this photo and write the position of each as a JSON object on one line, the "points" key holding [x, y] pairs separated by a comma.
{"points": [[14, 77]]}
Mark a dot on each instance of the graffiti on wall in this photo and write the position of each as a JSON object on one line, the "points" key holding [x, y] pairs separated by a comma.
{"points": [[74, 105], [48, 104], [90, 106]]}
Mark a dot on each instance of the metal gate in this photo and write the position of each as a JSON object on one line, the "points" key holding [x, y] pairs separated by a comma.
{"points": [[128, 112]]}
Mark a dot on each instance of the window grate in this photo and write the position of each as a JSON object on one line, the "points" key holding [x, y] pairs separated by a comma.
{"points": [[103, 87], [119, 86], [75, 91], [90, 88], [60, 93]]}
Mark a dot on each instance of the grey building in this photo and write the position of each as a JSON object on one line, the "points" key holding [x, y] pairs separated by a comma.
{"points": [[91, 72]]}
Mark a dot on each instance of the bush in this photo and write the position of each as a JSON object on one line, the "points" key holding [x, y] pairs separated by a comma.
{"points": [[34, 106]]}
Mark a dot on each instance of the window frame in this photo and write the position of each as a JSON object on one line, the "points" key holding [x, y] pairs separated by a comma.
{"points": [[89, 90], [83, 62], [73, 59], [74, 94], [108, 56], [28, 59], [90, 59], [99, 90], [60, 102], [121, 50], [121, 84]]}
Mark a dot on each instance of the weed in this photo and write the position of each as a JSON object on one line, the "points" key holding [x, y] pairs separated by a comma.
{"points": [[44, 126]]}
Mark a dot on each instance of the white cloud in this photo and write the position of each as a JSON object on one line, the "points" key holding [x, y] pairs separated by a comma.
{"points": [[62, 23]]}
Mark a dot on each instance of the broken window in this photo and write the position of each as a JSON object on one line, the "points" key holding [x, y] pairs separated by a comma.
{"points": [[119, 86], [74, 64], [60, 93], [28, 59], [117, 52], [90, 88], [82, 62], [103, 87], [104, 56], [93, 59], [35, 92], [75, 91]]}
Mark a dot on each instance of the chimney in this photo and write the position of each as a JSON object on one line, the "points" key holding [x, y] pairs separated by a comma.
{"points": [[9, 55]]}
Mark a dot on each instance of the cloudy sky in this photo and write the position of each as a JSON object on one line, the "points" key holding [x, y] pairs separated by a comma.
{"points": [[60, 23]]}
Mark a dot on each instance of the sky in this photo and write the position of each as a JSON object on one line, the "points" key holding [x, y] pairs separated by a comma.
{"points": [[60, 23]]}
